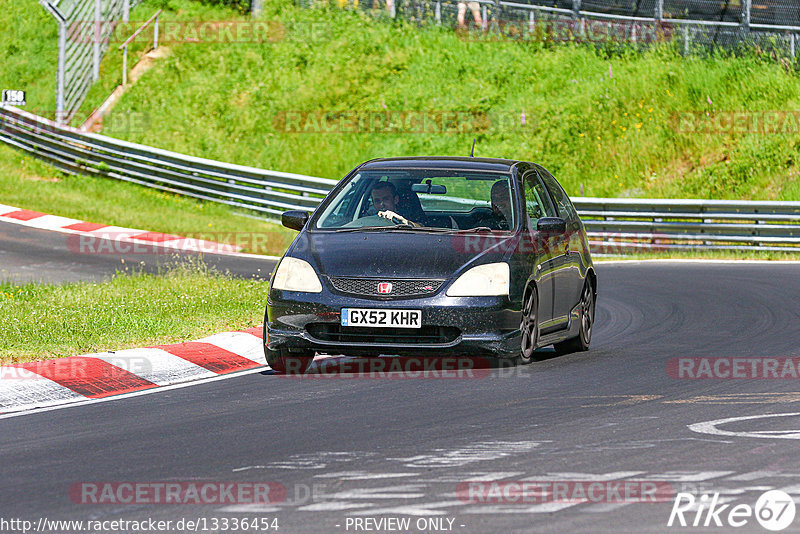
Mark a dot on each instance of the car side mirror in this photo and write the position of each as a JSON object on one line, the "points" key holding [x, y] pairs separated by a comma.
{"points": [[551, 226], [294, 219]]}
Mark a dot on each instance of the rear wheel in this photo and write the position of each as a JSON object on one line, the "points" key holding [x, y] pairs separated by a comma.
{"points": [[586, 316], [529, 327]]}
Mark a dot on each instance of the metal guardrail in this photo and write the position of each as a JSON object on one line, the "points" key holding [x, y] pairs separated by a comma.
{"points": [[613, 225], [267, 192], [620, 225]]}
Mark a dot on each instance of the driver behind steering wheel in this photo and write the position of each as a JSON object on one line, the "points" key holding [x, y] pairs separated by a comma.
{"points": [[387, 202]]}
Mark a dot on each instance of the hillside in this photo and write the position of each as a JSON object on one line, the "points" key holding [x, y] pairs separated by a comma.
{"points": [[341, 87]]}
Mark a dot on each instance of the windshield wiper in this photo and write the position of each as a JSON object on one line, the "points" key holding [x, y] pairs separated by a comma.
{"points": [[362, 229], [401, 226], [479, 229]]}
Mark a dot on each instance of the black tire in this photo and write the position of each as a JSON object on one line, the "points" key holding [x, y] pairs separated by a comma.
{"points": [[285, 363], [581, 342], [529, 327]]}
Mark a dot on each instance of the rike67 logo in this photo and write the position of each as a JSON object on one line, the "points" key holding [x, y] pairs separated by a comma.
{"points": [[774, 510]]}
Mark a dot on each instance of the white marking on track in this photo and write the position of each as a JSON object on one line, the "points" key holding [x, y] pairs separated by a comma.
{"points": [[363, 475], [487, 450], [710, 427]]}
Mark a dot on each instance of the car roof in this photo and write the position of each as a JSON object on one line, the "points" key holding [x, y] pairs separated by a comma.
{"points": [[460, 163]]}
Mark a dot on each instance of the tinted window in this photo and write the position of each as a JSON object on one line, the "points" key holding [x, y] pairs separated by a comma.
{"points": [[426, 197], [565, 209], [537, 203]]}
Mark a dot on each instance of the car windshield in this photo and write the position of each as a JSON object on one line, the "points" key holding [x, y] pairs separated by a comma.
{"points": [[437, 200]]}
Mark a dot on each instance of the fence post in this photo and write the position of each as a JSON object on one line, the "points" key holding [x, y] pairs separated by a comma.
{"points": [[791, 45], [62, 50], [576, 7], [255, 8], [125, 65], [685, 39], [126, 10], [96, 42], [485, 13], [155, 35], [659, 10], [747, 6], [532, 24], [438, 12]]}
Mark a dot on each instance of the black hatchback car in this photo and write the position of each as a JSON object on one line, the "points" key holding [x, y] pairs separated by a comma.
{"points": [[433, 256]]}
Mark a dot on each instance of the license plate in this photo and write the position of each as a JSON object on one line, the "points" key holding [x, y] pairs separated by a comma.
{"points": [[381, 318]]}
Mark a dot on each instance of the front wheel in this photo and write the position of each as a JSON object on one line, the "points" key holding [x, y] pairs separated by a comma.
{"points": [[285, 363], [529, 327], [586, 314]]}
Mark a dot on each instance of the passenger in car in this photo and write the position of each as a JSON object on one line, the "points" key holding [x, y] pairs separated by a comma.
{"points": [[500, 219]]}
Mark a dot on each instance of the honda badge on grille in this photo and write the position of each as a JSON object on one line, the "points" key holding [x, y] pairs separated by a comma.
{"points": [[385, 287]]}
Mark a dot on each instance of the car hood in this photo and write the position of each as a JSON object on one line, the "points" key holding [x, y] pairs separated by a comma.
{"points": [[399, 254]]}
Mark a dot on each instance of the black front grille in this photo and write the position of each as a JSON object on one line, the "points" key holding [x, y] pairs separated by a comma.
{"points": [[397, 336], [399, 288]]}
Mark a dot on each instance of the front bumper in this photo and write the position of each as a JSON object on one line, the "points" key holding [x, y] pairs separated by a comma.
{"points": [[451, 326]]}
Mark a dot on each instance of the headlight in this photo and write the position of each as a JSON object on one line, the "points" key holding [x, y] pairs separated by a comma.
{"points": [[296, 275], [482, 281]]}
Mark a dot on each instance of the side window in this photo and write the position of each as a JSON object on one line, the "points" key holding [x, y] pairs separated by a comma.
{"points": [[565, 209], [537, 203]]}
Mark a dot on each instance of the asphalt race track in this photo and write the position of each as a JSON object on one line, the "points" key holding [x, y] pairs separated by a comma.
{"points": [[33, 255], [346, 448]]}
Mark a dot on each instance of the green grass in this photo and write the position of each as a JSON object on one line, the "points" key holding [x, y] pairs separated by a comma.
{"points": [[604, 121], [131, 310], [31, 184], [703, 255]]}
